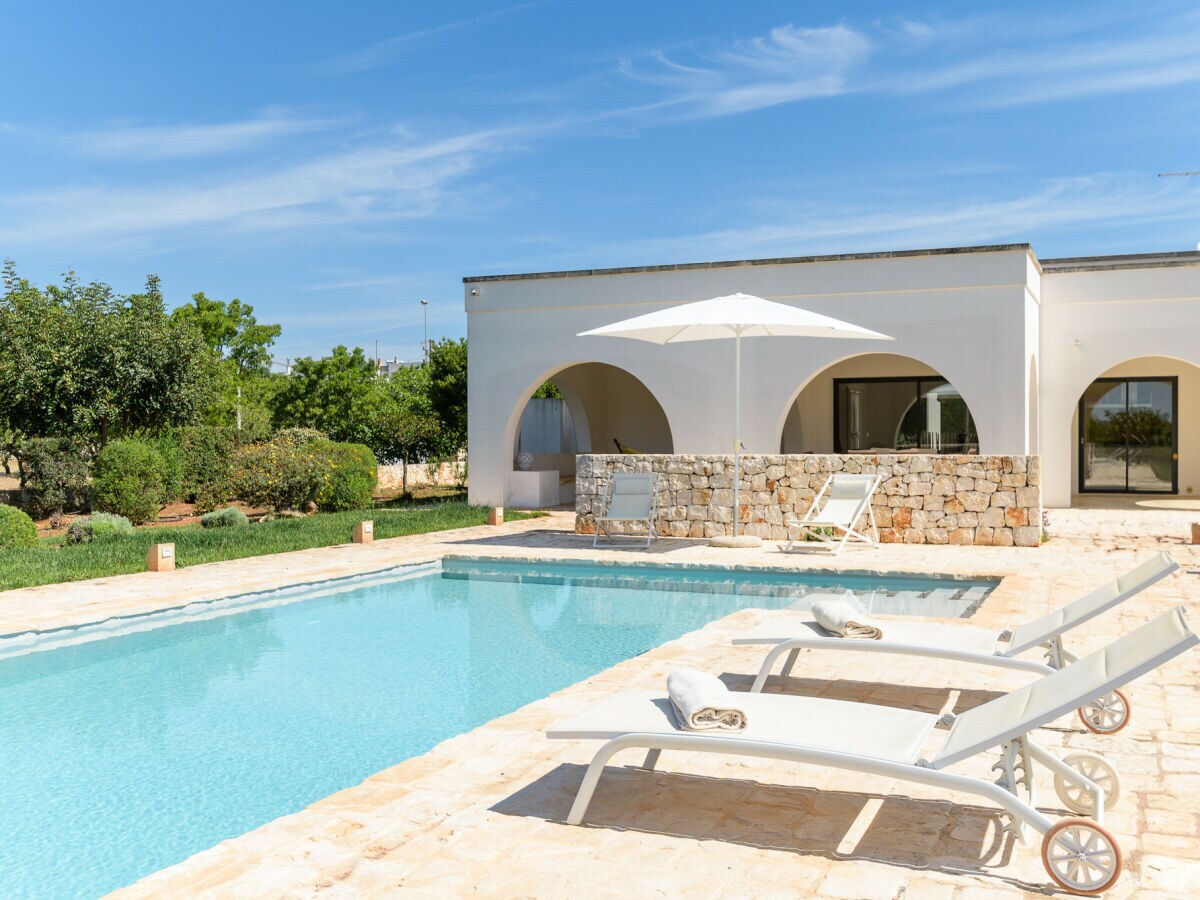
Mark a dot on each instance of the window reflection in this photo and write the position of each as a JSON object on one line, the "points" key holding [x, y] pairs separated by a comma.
{"points": [[903, 414]]}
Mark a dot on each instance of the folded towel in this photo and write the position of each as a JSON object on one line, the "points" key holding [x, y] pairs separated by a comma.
{"points": [[841, 618], [702, 702]]}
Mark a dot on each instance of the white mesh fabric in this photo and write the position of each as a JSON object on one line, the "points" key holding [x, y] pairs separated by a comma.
{"points": [[1053, 695], [1088, 607], [845, 500], [632, 496]]}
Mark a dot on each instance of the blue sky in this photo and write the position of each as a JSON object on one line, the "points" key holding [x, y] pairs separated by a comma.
{"points": [[331, 164]]}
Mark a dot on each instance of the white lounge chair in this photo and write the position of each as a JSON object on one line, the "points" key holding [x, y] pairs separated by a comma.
{"points": [[838, 506], [631, 499], [1079, 853], [789, 633]]}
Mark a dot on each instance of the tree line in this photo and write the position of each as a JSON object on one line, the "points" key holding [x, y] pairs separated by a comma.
{"points": [[81, 361]]}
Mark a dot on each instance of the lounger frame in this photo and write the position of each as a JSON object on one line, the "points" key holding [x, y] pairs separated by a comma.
{"points": [[1005, 723], [1052, 642], [1003, 794], [812, 520], [604, 520]]}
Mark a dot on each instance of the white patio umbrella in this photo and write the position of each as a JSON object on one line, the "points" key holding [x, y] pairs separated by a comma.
{"points": [[737, 316]]}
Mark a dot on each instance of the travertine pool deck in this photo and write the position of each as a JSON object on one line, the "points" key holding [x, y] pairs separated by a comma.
{"points": [[482, 814]]}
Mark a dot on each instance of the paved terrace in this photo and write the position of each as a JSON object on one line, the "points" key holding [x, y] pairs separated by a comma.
{"points": [[482, 814]]}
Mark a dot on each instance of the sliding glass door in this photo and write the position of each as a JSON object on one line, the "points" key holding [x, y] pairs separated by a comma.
{"points": [[906, 414], [1128, 436]]}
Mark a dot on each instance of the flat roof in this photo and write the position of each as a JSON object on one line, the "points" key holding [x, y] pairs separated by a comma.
{"points": [[1122, 261], [731, 263]]}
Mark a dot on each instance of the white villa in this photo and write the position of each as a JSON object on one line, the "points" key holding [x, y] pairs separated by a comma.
{"points": [[1092, 363]]}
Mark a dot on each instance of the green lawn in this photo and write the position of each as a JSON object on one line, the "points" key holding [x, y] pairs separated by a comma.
{"points": [[53, 561]]}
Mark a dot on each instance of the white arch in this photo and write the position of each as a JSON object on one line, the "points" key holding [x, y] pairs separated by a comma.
{"points": [[518, 407], [900, 358]]}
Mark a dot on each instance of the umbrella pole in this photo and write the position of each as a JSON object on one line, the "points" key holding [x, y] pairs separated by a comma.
{"points": [[737, 427]]}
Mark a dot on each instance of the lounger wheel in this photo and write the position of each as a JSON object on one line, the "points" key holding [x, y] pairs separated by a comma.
{"points": [[1081, 856], [1107, 714], [1095, 768]]}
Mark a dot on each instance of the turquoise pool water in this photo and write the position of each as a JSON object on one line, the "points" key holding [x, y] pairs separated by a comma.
{"points": [[129, 746]]}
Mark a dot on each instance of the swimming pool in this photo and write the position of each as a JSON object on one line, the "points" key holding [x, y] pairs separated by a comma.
{"points": [[130, 745]]}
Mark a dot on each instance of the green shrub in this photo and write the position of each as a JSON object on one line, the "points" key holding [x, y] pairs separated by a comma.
{"points": [[98, 527], [131, 480], [229, 517], [349, 474], [206, 456], [16, 528], [167, 445], [277, 474], [56, 474], [299, 437]]}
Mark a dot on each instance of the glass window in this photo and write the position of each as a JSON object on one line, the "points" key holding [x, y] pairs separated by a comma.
{"points": [[901, 414]]}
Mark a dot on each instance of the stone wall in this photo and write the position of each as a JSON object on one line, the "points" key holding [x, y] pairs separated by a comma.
{"points": [[421, 474], [969, 499]]}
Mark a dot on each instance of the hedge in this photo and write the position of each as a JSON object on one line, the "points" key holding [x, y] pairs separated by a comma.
{"points": [[56, 474], [131, 480], [206, 453], [16, 528]]}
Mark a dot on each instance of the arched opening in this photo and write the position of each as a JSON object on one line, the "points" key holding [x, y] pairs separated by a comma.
{"points": [[582, 408], [879, 402], [1132, 433]]}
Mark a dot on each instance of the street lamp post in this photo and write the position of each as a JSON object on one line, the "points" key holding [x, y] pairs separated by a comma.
{"points": [[425, 343]]}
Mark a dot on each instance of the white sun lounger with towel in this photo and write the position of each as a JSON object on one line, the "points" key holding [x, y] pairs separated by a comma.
{"points": [[1078, 853], [789, 633]]}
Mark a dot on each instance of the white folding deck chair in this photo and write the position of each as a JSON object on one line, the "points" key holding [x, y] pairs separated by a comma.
{"points": [[789, 633], [631, 498], [839, 505], [1079, 854]]}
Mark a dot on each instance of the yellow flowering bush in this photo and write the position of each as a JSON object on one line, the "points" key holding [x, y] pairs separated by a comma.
{"points": [[349, 475], [278, 474], [284, 474]]}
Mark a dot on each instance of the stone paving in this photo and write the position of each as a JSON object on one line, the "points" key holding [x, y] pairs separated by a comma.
{"points": [[482, 814]]}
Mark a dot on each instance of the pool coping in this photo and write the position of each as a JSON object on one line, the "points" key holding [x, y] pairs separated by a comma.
{"points": [[530, 559]]}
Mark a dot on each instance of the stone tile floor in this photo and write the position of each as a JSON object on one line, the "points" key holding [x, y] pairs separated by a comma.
{"points": [[482, 814]]}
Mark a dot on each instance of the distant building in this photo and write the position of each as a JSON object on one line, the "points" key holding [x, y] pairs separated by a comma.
{"points": [[394, 365]]}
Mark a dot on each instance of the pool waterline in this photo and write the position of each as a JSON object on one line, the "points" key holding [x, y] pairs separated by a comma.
{"points": [[167, 732]]}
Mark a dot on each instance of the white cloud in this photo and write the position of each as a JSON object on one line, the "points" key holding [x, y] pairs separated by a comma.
{"points": [[381, 53], [375, 182], [786, 65], [132, 143], [1059, 60], [999, 63], [1087, 202]]}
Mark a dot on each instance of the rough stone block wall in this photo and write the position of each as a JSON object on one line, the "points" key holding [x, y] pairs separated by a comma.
{"points": [[968, 499]]}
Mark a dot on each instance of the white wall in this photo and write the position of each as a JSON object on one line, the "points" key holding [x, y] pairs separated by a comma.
{"points": [[961, 313], [1018, 339], [1094, 320]]}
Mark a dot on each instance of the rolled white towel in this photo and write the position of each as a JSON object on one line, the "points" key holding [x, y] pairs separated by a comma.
{"points": [[841, 618], [703, 703]]}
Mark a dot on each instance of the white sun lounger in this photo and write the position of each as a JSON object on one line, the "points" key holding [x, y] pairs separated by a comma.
{"points": [[789, 633], [1079, 853], [838, 506], [631, 498]]}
